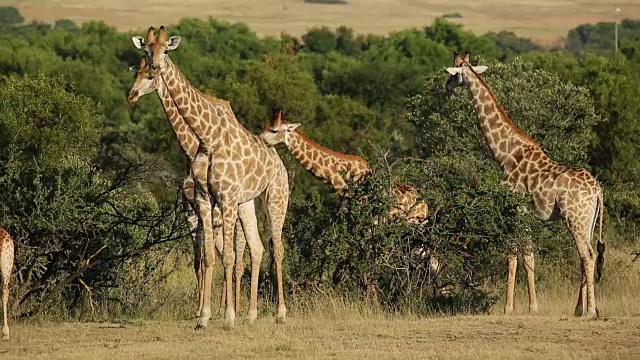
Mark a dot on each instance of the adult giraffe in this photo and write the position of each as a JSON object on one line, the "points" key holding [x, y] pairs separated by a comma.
{"points": [[559, 192], [233, 166], [6, 266], [336, 168], [144, 84]]}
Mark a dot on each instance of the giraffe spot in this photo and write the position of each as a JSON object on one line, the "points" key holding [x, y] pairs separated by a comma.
{"points": [[492, 121], [489, 109], [518, 154], [502, 146], [484, 96]]}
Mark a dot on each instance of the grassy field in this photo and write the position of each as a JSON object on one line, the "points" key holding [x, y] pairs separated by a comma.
{"points": [[353, 336], [543, 20], [326, 327]]}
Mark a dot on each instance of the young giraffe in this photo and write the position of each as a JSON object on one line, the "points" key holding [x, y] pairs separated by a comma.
{"points": [[145, 84], [335, 168], [231, 164], [6, 267], [559, 192]]}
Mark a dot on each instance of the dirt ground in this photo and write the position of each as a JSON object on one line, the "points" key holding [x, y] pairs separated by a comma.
{"points": [[542, 20], [380, 337]]}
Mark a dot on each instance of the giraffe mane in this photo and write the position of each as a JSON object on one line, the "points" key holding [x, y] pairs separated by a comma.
{"points": [[329, 151], [501, 111]]}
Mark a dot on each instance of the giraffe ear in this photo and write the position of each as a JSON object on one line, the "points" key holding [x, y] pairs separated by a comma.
{"points": [[138, 42], [454, 70], [480, 69], [291, 127], [174, 41]]}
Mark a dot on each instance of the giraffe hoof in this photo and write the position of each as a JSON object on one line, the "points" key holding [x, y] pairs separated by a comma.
{"points": [[281, 320], [199, 327]]}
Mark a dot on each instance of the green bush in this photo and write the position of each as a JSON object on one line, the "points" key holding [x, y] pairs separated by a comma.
{"points": [[76, 226], [471, 224]]}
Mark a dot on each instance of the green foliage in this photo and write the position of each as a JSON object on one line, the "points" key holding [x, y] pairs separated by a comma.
{"points": [[558, 115], [44, 124], [320, 40], [471, 225], [601, 36], [613, 86], [75, 225], [9, 16], [509, 45]]}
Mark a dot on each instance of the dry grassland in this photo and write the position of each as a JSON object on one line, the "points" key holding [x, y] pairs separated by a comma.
{"points": [[543, 20], [353, 336], [326, 327]]}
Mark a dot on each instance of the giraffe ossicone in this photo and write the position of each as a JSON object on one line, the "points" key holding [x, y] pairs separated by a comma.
{"points": [[571, 194]]}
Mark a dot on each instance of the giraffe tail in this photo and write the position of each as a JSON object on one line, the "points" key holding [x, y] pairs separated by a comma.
{"points": [[600, 247]]}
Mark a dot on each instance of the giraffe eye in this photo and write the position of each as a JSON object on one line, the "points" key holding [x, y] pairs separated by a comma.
{"points": [[274, 131]]}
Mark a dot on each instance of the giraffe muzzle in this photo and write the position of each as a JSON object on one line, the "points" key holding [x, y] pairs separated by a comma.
{"points": [[133, 97]]}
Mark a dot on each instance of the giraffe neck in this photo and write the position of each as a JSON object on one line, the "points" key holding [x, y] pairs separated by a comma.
{"points": [[186, 137], [323, 162], [502, 136], [205, 115]]}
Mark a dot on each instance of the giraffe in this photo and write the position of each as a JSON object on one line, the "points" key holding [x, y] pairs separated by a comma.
{"points": [[145, 84], [233, 167], [336, 168], [6, 266], [566, 193]]}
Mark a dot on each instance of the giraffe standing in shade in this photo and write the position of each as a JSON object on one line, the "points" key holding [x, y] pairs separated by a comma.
{"points": [[144, 84], [560, 192], [336, 168], [233, 166], [6, 267]]}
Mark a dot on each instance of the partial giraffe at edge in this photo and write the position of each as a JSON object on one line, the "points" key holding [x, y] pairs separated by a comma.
{"points": [[571, 194], [7, 253]]}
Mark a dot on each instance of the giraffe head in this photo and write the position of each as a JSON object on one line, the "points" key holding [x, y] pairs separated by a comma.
{"points": [[144, 83], [458, 74], [156, 48], [277, 130]]}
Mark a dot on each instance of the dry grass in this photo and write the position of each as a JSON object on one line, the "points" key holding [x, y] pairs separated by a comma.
{"points": [[328, 327], [544, 20], [349, 336]]}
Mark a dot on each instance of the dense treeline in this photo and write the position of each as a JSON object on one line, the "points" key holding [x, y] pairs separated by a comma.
{"points": [[91, 181]]}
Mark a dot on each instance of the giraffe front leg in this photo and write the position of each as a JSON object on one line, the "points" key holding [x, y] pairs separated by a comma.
{"points": [[199, 168], [249, 222], [512, 265], [240, 244], [218, 242], [229, 216], [188, 188]]}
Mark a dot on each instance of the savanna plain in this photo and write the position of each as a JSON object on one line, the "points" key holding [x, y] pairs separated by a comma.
{"points": [[326, 326], [542, 20]]}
